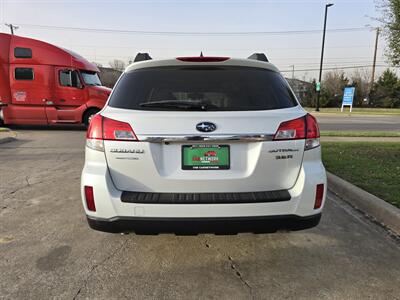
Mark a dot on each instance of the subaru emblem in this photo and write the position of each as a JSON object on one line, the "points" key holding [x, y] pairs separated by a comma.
{"points": [[206, 127]]}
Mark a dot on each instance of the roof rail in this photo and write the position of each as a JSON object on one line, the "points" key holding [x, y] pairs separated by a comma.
{"points": [[259, 56], [142, 57]]}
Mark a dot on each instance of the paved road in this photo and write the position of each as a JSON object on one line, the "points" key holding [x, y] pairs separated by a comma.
{"points": [[358, 122], [48, 251]]}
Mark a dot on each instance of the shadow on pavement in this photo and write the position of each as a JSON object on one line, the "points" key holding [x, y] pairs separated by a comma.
{"points": [[48, 127]]}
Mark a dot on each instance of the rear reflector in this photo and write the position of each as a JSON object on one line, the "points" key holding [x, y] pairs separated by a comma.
{"points": [[319, 195], [203, 58], [89, 196]]}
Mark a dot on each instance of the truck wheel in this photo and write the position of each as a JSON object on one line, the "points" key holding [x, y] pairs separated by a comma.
{"points": [[1, 118], [88, 116]]}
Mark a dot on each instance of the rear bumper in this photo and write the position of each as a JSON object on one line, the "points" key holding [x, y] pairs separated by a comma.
{"points": [[263, 224]]}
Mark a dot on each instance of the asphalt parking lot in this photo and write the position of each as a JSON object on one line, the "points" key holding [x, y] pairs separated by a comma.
{"points": [[48, 251]]}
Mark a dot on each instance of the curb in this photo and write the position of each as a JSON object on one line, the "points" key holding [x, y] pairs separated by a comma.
{"points": [[385, 213]]}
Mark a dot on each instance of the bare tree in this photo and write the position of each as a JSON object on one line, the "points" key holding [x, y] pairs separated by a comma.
{"points": [[332, 88], [361, 80], [117, 64]]}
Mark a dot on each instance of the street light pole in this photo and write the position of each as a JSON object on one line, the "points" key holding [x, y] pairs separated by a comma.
{"points": [[322, 54]]}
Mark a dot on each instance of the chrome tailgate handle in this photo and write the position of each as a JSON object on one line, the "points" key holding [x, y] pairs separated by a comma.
{"points": [[201, 138]]}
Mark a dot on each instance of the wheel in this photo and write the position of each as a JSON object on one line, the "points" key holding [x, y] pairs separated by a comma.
{"points": [[1, 118], [89, 115]]}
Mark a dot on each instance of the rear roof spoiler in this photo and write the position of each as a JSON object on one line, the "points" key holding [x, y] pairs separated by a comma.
{"points": [[258, 56], [142, 57]]}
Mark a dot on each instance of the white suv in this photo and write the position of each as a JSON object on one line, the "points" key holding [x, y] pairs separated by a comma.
{"points": [[203, 144]]}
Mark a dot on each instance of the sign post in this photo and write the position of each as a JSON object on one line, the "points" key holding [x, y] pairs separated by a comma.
{"points": [[348, 96]]}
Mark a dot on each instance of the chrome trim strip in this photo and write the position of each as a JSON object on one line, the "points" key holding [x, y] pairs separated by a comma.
{"points": [[201, 138]]}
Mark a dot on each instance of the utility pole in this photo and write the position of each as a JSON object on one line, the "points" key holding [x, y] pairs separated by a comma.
{"points": [[292, 71], [322, 56], [12, 27], [374, 62]]}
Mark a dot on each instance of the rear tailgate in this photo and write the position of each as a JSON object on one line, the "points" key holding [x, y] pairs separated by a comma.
{"points": [[157, 166]]}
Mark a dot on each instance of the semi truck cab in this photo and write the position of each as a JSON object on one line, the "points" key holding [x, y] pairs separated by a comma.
{"points": [[45, 84]]}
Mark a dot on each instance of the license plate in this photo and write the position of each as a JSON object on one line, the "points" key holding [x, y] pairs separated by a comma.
{"points": [[205, 157]]}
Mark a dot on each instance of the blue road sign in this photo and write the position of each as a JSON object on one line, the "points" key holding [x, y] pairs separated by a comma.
{"points": [[348, 96]]}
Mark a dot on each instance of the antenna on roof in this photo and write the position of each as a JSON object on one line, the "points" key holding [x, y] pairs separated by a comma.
{"points": [[142, 57], [201, 54], [258, 56]]}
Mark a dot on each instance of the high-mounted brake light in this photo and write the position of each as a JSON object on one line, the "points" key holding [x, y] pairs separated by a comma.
{"points": [[102, 128], [302, 128], [203, 58]]}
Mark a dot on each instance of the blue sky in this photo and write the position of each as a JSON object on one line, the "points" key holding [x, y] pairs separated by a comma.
{"points": [[301, 50]]}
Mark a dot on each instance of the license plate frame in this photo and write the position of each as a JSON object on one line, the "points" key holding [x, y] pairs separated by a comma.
{"points": [[213, 150]]}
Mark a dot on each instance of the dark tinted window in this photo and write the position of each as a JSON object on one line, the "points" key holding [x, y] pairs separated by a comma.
{"points": [[22, 52], [23, 74], [70, 78], [219, 88]]}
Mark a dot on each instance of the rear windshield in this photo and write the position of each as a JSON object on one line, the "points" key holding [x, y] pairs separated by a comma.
{"points": [[210, 88]]}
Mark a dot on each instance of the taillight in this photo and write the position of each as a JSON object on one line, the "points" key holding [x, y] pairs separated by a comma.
{"points": [[312, 139], [319, 195], [302, 128], [117, 131], [203, 58], [102, 128], [95, 130], [291, 130], [89, 196]]}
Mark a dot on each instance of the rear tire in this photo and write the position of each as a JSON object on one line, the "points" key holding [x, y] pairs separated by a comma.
{"points": [[1, 119], [88, 116]]}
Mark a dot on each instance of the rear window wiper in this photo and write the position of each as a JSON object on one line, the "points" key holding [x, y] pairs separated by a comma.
{"points": [[184, 104]]}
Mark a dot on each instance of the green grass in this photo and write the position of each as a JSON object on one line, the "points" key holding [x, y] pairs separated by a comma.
{"points": [[358, 110], [361, 133], [372, 166]]}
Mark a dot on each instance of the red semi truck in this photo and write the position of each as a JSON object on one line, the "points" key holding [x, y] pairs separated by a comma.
{"points": [[44, 84]]}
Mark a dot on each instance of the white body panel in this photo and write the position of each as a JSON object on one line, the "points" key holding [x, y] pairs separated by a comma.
{"points": [[254, 166], [143, 166], [109, 205]]}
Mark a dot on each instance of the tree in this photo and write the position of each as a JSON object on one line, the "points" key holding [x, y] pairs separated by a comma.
{"points": [[361, 80], [117, 64], [386, 91], [310, 95], [332, 88], [390, 19]]}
